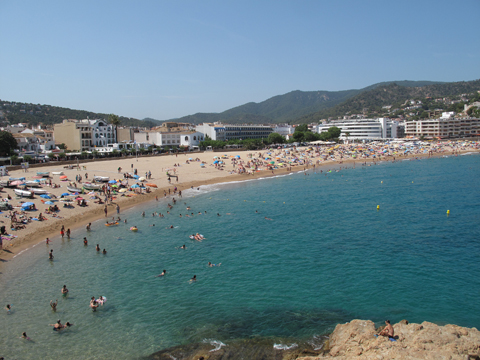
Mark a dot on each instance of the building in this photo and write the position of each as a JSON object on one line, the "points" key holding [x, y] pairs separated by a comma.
{"points": [[242, 132], [170, 137], [284, 129], [363, 129], [443, 127], [215, 131], [83, 135]]}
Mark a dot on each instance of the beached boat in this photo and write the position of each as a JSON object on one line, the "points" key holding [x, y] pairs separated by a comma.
{"points": [[74, 189], [90, 186], [57, 173], [101, 178], [4, 183], [32, 183], [38, 191], [43, 174], [16, 179], [23, 193]]}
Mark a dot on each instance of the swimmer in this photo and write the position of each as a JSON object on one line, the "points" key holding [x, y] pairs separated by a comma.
{"points": [[152, 225], [212, 265], [266, 218], [24, 336], [89, 226], [192, 237], [170, 227], [162, 274], [218, 214], [143, 214], [8, 307], [50, 255], [85, 241], [125, 221], [64, 290], [183, 247], [97, 248], [93, 304], [53, 305], [104, 252], [194, 278], [57, 326]]}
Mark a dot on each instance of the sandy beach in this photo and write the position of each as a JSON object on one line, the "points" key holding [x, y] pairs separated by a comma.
{"points": [[238, 165]]}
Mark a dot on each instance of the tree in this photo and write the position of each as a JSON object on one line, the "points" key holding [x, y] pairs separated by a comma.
{"points": [[275, 138], [334, 132], [62, 146], [7, 143], [27, 158], [309, 136], [114, 119], [301, 128]]}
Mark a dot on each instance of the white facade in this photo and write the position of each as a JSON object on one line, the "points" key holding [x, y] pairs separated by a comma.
{"points": [[103, 133], [364, 129], [170, 138], [443, 127], [284, 130], [243, 132], [214, 131]]}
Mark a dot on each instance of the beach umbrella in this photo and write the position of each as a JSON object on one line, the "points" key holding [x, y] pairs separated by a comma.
{"points": [[190, 159], [112, 182], [202, 165], [45, 196], [151, 185], [48, 202], [142, 179], [27, 204], [63, 177], [122, 190], [79, 198], [237, 156], [216, 162], [135, 186], [136, 176], [272, 162], [65, 194]]}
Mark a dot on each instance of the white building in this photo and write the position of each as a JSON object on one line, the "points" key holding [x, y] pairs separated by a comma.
{"points": [[215, 131], [363, 129], [284, 129], [172, 138], [243, 132], [443, 127]]}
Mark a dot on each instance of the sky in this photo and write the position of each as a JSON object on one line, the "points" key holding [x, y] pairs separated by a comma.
{"points": [[166, 59]]}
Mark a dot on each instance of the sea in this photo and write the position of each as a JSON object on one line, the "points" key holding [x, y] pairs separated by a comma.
{"points": [[295, 255]]}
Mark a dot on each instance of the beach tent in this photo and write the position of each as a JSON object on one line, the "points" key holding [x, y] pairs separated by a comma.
{"points": [[27, 205]]}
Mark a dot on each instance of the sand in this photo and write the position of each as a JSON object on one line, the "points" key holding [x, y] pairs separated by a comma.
{"points": [[189, 175]]}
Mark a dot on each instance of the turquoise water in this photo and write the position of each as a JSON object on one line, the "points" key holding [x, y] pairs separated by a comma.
{"points": [[327, 256]]}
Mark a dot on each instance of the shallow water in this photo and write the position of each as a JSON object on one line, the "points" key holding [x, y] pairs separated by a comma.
{"points": [[327, 256]]}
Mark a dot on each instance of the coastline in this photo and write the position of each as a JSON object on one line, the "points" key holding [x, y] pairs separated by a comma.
{"points": [[82, 216]]}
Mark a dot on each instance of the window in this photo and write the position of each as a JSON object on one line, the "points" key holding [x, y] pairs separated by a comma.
{"points": [[194, 138], [186, 138]]}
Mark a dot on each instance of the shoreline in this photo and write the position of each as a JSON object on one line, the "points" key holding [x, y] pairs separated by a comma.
{"points": [[51, 228]]}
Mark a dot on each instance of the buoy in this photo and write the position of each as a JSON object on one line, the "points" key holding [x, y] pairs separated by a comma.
{"points": [[378, 207], [448, 212], [381, 182], [412, 182]]}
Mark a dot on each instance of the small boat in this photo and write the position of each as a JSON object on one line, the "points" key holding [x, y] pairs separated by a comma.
{"points": [[151, 185], [101, 178], [16, 179], [32, 183], [134, 228], [23, 193], [43, 174], [112, 223], [38, 191], [57, 173], [90, 186], [74, 189], [4, 183]]}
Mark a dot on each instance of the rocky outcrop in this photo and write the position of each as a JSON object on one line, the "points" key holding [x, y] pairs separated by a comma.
{"points": [[356, 341]]}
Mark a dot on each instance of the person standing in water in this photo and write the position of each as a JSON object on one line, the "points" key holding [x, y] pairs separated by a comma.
{"points": [[64, 290], [53, 305], [97, 247], [50, 255]]}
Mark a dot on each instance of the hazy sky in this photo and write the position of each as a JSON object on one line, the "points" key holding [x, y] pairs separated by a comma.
{"points": [[167, 59]]}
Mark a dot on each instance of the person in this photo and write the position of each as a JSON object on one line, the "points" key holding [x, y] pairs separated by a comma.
{"points": [[8, 307], [24, 336], [163, 273], [47, 241], [57, 326], [212, 265], [53, 305], [387, 331], [194, 278], [68, 233], [118, 209], [64, 290], [89, 226], [93, 304], [85, 241], [97, 248], [183, 247], [104, 252], [266, 218], [50, 255], [62, 231]]}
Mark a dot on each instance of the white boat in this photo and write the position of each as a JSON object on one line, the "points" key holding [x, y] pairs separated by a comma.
{"points": [[38, 191], [32, 183], [23, 193], [90, 186], [74, 189], [101, 178], [57, 173]]}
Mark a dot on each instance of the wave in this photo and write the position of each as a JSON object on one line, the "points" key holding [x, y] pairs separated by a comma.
{"points": [[285, 347], [217, 343]]}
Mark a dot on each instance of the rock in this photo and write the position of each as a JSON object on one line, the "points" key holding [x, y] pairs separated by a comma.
{"points": [[356, 340]]}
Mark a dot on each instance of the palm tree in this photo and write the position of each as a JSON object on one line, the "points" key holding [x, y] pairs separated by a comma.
{"points": [[115, 121]]}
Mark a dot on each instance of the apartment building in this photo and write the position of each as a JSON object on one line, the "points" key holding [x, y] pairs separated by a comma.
{"points": [[443, 127]]}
